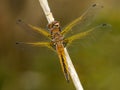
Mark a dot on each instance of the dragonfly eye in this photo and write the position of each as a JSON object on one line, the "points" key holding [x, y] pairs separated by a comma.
{"points": [[49, 26], [54, 24], [57, 25]]}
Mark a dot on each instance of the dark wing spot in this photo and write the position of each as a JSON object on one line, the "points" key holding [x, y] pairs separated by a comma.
{"points": [[104, 24], [94, 5], [17, 43], [102, 6], [18, 21]]}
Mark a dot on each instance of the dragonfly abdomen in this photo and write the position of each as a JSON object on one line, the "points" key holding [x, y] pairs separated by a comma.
{"points": [[63, 62]]}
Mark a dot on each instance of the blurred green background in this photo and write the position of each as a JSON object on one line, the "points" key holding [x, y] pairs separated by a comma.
{"points": [[33, 68]]}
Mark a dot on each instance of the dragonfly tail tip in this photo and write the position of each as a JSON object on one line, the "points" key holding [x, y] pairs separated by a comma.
{"points": [[67, 78], [68, 81]]}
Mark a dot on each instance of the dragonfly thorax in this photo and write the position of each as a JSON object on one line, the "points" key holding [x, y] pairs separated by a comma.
{"points": [[55, 31], [56, 36]]}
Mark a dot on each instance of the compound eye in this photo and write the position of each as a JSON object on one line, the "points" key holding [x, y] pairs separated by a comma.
{"points": [[50, 26], [57, 25], [54, 24]]}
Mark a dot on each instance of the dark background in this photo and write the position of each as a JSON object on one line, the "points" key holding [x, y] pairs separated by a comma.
{"points": [[32, 68]]}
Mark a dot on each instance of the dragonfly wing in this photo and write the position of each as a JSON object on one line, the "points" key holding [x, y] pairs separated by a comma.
{"points": [[34, 28], [85, 19], [39, 44], [95, 31]]}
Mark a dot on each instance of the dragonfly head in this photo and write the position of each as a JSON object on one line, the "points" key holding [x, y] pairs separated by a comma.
{"points": [[53, 25]]}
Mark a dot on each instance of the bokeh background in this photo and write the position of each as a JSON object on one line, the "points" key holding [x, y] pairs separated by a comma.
{"points": [[32, 68]]}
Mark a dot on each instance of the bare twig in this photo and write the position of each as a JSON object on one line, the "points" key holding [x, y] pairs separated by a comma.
{"points": [[72, 71], [46, 9]]}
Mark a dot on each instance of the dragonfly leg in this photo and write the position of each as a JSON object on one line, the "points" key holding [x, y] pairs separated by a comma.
{"points": [[65, 42], [52, 44]]}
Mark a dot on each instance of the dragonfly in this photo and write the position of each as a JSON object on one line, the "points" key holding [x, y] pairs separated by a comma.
{"points": [[57, 36]]}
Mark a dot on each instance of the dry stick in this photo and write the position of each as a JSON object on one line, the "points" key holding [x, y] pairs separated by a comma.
{"points": [[72, 70]]}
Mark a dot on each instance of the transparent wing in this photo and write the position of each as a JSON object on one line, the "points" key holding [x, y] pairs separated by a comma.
{"points": [[34, 28], [94, 32], [84, 20], [39, 44]]}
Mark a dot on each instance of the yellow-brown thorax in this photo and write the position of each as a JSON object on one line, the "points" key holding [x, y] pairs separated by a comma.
{"points": [[56, 36]]}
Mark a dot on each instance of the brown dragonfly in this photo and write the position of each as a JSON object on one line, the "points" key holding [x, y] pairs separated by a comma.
{"points": [[57, 36]]}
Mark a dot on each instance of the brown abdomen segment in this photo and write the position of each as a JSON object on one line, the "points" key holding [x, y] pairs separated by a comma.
{"points": [[63, 62]]}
